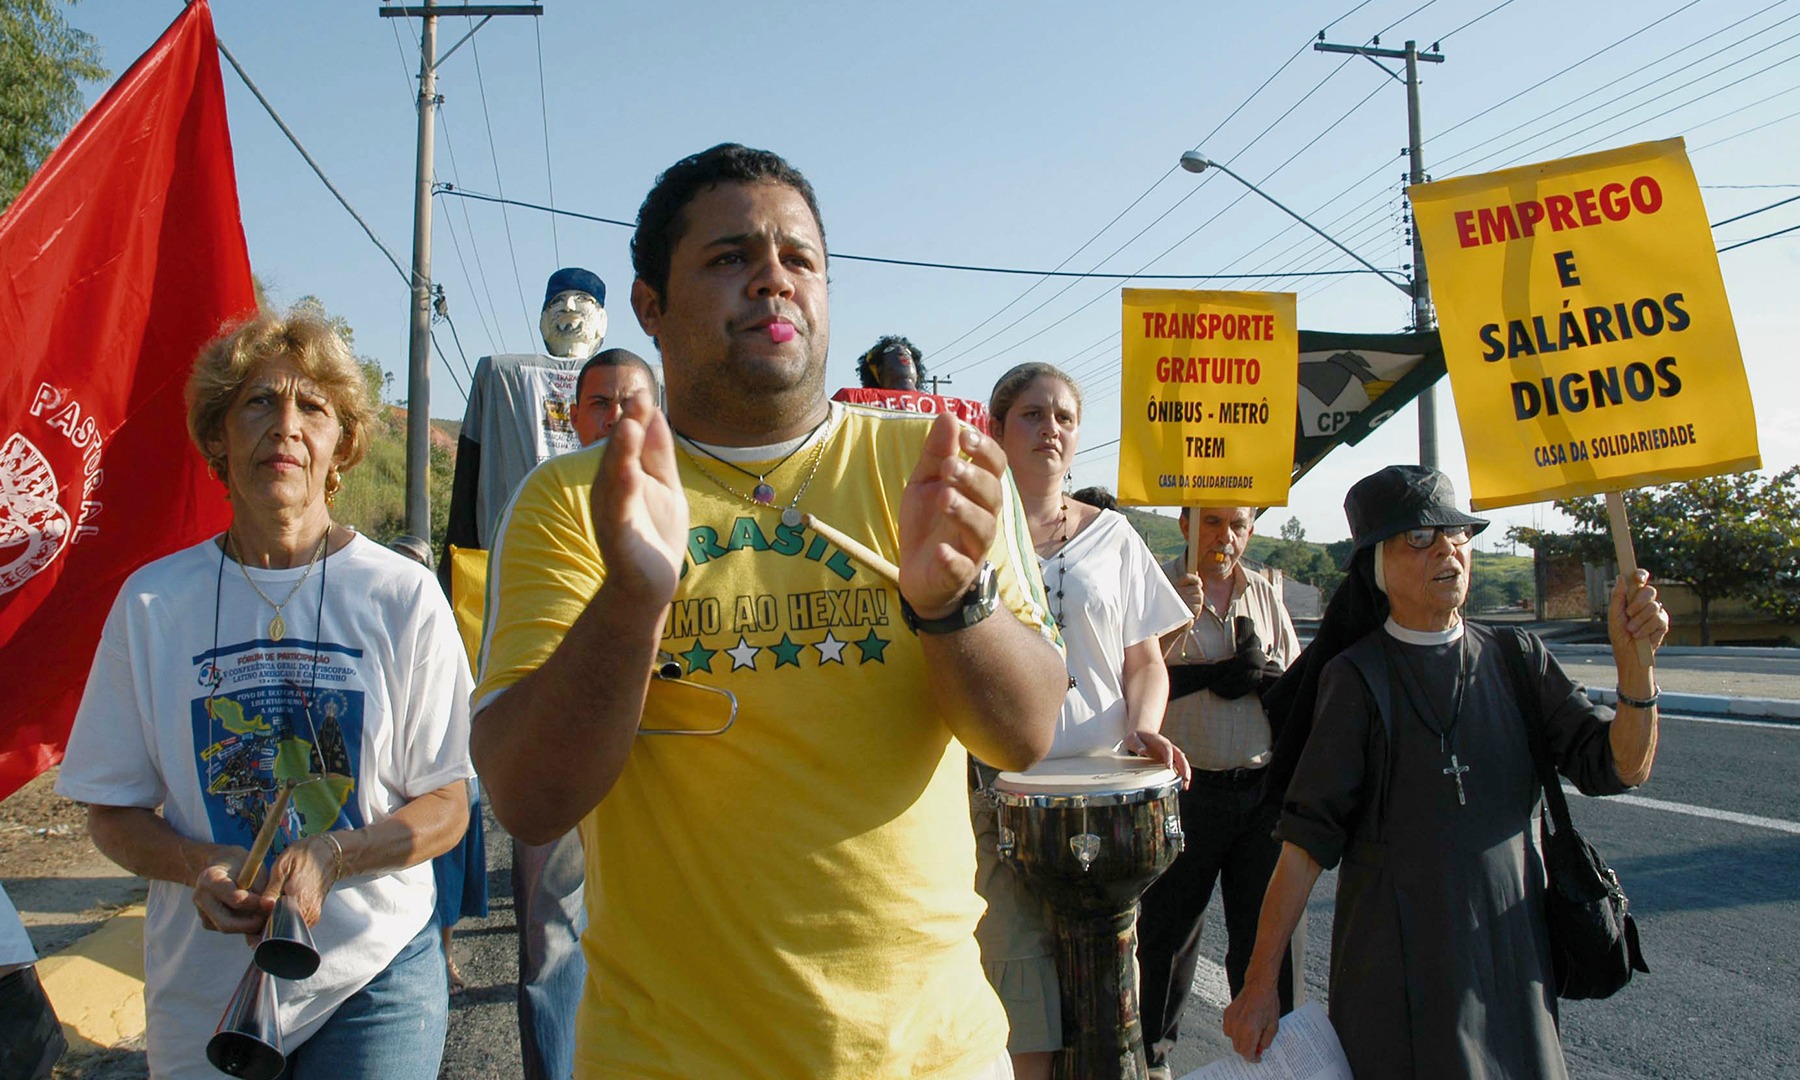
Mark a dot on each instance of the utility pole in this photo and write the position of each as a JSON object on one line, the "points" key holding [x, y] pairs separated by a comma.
{"points": [[1423, 317], [418, 375]]}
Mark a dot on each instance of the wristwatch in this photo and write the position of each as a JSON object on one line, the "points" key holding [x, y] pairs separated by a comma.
{"points": [[977, 604]]}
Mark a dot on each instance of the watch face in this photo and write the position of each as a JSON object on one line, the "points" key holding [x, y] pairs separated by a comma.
{"points": [[987, 588]]}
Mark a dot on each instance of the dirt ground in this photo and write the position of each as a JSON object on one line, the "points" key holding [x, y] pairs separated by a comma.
{"points": [[62, 886]]}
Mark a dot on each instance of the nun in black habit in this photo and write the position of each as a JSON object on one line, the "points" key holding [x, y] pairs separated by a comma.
{"points": [[1423, 790]]}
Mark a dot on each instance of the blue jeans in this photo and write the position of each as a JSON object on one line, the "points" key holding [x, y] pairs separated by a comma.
{"points": [[392, 1028], [547, 904]]}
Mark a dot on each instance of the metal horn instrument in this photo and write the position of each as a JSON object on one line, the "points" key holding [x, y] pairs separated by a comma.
{"points": [[248, 1041], [286, 950]]}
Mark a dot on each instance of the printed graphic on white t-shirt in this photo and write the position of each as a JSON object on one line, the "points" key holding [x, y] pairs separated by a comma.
{"points": [[274, 712]]}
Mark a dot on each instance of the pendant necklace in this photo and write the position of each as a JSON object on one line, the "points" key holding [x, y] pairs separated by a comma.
{"points": [[764, 492], [278, 625], [1062, 545], [217, 676], [1062, 569], [1445, 730]]}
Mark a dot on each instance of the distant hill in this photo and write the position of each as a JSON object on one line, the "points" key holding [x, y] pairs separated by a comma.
{"points": [[1499, 582], [374, 497]]}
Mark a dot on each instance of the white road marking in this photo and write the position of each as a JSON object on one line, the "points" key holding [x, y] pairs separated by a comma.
{"points": [[1210, 986], [1777, 824], [1774, 725]]}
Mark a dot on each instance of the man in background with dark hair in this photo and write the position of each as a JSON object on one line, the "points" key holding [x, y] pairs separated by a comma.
{"points": [[1240, 641], [607, 383], [787, 891], [891, 372], [894, 363], [520, 413]]}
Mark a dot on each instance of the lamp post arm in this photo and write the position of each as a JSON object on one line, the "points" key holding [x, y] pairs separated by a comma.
{"points": [[1403, 287]]}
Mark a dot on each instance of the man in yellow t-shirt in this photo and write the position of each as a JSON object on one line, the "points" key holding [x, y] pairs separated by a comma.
{"points": [[792, 896]]}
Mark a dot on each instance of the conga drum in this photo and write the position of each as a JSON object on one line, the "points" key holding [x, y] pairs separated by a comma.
{"points": [[1089, 834]]}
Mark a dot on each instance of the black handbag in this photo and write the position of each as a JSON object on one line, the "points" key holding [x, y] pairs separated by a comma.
{"points": [[1593, 938]]}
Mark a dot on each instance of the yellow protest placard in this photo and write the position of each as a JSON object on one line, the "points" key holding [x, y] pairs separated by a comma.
{"points": [[1209, 398], [1585, 326]]}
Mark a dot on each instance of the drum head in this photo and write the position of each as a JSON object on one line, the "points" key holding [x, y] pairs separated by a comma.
{"points": [[1113, 777]]}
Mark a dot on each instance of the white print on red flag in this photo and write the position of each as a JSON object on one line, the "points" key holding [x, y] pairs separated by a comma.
{"points": [[121, 258]]}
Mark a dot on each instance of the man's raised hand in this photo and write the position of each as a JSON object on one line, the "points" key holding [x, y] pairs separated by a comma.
{"points": [[948, 515], [639, 509]]}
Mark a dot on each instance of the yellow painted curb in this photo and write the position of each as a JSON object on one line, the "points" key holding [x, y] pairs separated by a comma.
{"points": [[97, 984]]}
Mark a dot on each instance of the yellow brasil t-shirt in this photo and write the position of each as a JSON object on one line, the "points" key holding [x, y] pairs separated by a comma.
{"points": [[793, 898]]}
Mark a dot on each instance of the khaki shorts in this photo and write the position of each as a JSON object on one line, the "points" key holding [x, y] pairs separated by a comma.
{"points": [[1018, 941]]}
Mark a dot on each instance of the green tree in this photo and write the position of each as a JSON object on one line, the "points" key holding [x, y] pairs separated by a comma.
{"points": [[1722, 536], [43, 63], [1291, 529]]}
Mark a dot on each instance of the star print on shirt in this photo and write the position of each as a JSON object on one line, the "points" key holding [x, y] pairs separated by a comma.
{"points": [[873, 647], [743, 655], [699, 658], [831, 650], [786, 651]]}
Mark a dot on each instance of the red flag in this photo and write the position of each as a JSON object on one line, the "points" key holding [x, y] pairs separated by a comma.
{"points": [[121, 258]]}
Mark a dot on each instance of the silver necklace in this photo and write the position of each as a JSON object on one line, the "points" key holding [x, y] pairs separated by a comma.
{"points": [[278, 625], [764, 494]]}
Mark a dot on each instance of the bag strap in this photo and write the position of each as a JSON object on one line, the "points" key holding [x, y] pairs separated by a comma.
{"points": [[1526, 692]]}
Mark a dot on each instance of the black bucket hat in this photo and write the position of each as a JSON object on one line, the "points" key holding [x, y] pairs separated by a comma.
{"points": [[1402, 497]]}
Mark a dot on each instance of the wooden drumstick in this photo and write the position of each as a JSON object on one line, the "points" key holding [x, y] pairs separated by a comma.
{"points": [[265, 835], [855, 550]]}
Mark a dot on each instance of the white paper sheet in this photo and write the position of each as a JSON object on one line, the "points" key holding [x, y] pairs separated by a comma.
{"points": [[1306, 1048]]}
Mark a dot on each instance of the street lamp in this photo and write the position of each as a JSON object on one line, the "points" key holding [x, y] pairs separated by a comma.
{"points": [[1196, 162]]}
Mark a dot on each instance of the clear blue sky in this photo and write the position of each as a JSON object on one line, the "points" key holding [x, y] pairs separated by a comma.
{"points": [[994, 134]]}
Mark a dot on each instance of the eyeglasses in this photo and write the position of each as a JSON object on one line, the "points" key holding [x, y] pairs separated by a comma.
{"points": [[1426, 537]]}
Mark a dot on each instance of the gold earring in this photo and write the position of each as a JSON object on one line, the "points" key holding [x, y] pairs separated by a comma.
{"points": [[334, 483]]}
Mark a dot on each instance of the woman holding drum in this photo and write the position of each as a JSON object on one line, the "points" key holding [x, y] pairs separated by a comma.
{"points": [[1111, 604], [289, 668]]}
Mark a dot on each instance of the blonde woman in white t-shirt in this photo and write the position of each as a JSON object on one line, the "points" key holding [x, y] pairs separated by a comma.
{"points": [[288, 652], [1111, 604]]}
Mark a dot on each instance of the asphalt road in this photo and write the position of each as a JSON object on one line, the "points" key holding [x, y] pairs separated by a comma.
{"points": [[1709, 852], [1717, 901]]}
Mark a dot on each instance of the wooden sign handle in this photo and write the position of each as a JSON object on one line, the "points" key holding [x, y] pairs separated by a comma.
{"points": [[1627, 557], [1193, 540]]}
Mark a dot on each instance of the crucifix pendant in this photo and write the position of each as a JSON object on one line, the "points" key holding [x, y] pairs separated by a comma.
{"points": [[1456, 770]]}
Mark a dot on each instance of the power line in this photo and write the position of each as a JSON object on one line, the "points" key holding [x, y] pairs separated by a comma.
{"points": [[444, 189], [474, 241], [1728, 114], [1683, 104], [1589, 57], [1376, 37], [454, 377], [1193, 192], [1622, 96], [1312, 246], [407, 77], [544, 112], [456, 246], [1441, 38], [1154, 185], [1757, 239], [326, 180], [494, 153]]}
